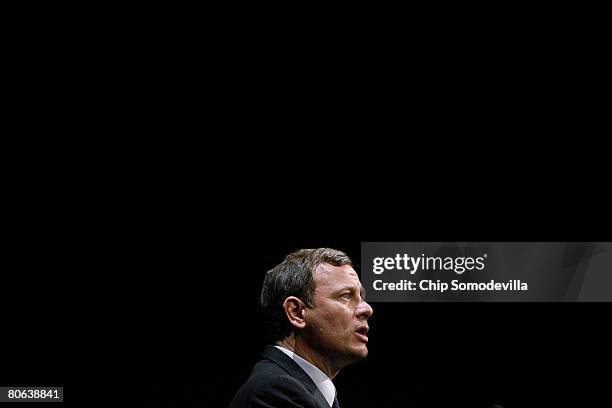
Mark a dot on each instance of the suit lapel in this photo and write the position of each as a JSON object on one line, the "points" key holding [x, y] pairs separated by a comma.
{"points": [[286, 363]]}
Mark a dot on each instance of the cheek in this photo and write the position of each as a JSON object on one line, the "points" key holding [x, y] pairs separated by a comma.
{"points": [[337, 320]]}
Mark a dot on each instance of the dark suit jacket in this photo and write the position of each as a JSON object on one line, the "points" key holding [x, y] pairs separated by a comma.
{"points": [[278, 382]]}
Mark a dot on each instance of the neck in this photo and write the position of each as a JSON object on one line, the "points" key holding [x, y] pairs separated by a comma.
{"points": [[307, 353]]}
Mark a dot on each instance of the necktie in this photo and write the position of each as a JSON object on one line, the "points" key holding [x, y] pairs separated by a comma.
{"points": [[336, 403]]}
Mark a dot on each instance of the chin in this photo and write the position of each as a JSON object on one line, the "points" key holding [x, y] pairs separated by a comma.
{"points": [[360, 352]]}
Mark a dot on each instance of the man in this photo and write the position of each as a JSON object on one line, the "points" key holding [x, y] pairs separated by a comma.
{"points": [[313, 302]]}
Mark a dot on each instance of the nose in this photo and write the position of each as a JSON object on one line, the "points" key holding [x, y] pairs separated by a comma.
{"points": [[364, 311]]}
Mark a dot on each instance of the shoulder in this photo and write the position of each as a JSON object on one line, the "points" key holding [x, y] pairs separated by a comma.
{"points": [[271, 386]]}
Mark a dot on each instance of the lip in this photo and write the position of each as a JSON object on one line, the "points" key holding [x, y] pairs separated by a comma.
{"points": [[362, 333]]}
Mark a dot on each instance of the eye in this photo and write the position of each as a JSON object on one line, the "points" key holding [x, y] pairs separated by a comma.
{"points": [[347, 295]]}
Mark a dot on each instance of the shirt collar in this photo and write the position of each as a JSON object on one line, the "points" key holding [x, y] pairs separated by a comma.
{"points": [[322, 381]]}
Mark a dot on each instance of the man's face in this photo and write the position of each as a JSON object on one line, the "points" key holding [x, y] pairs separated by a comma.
{"points": [[337, 325]]}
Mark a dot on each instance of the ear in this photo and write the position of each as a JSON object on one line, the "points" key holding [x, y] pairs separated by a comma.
{"points": [[294, 310]]}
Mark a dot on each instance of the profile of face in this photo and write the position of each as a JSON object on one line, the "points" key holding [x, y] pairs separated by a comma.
{"points": [[337, 325]]}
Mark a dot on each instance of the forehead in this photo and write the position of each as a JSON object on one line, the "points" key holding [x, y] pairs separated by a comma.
{"points": [[329, 277]]}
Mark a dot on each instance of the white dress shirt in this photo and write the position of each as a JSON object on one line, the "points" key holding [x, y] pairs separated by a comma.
{"points": [[324, 384]]}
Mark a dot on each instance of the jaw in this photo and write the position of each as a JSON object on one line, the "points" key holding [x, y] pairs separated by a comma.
{"points": [[362, 351], [353, 354], [331, 354]]}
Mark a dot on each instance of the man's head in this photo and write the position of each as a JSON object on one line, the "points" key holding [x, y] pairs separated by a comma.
{"points": [[314, 296]]}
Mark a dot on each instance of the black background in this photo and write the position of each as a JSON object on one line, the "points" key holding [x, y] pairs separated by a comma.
{"points": [[139, 278]]}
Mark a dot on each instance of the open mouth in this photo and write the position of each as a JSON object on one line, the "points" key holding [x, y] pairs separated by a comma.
{"points": [[362, 333]]}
